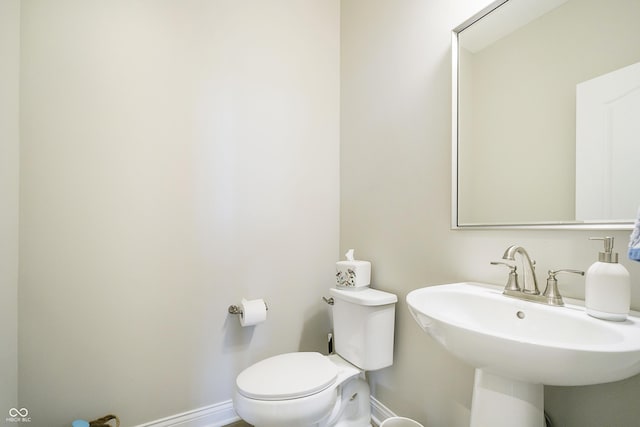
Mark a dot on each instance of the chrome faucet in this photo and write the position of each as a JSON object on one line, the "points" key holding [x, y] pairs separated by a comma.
{"points": [[551, 295], [510, 254]]}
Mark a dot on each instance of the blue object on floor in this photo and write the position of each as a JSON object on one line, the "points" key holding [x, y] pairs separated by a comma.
{"points": [[80, 423]]}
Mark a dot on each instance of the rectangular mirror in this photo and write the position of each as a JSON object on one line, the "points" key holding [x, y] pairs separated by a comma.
{"points": [[546, 101]]}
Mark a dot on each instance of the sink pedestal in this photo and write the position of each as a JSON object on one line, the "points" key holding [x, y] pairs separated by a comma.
{"points": [[502, 402]]}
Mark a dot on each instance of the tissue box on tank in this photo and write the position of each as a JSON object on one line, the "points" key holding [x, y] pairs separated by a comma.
{"points": [[353, 274]]}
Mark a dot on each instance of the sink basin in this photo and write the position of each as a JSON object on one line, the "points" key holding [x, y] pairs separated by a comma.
{"points": [[524, 340], [520, 344]]}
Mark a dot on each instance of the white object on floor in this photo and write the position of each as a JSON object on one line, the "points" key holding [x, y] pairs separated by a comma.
{"points": [[400, 422]]}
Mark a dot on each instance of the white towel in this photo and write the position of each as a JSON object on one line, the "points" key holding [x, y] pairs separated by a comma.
{"points": [[634, 241]]}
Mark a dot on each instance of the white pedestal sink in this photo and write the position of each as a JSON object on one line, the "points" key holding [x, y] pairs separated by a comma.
{"points": [[518, 346]]}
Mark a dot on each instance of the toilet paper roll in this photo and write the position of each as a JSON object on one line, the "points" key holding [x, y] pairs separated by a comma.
{"points": [[253, 312]]}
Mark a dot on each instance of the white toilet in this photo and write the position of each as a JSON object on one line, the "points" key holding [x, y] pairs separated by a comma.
{"points": [[310, 389]]}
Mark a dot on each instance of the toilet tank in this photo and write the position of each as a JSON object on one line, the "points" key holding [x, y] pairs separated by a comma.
{"points": [[363, 326]]}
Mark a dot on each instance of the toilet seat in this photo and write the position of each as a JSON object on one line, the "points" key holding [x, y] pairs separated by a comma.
{"points": [[287, 376], [319, 396]]}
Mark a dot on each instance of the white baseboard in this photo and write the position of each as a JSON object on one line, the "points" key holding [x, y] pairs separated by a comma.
{"points": [[216, 415], [379, 412], [221, 414]]}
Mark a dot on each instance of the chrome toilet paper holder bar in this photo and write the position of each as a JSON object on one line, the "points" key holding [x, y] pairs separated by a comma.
{"points": [[236, 309]]}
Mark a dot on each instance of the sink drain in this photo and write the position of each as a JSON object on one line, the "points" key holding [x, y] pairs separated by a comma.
{"points": [[520, 315]]}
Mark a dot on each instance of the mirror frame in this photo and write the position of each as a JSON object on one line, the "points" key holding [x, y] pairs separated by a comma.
{"points": [[455, 225]]}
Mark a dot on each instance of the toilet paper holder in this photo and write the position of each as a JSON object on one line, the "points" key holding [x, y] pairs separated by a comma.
{"points": [[236, 309]]}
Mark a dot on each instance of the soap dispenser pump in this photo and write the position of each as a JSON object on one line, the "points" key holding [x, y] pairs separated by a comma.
{"points": [[607, 285]]}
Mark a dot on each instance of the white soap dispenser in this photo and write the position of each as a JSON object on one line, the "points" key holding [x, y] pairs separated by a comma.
{"points": [[607, 285]]}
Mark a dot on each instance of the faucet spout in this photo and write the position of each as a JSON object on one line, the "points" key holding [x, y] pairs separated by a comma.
{"points": [[510, 254]]}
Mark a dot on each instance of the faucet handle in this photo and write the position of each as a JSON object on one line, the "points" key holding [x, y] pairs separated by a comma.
{"points": [[565, 270], [512, 282], [551, 292]]}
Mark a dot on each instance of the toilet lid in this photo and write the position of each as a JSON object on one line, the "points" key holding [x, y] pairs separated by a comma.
{"points": [[287, 376]]}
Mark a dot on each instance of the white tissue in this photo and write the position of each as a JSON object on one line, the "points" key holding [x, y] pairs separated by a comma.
{"points": [[253, 312], [349, 255]]}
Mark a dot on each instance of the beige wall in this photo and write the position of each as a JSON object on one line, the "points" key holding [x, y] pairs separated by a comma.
{"points": [[395, 198], [176, 157], [179, 156], [9, 160]]}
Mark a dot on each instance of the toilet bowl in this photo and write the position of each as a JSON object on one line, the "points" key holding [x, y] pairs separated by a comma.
{"points": [[301, 389], [306, 389]]}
